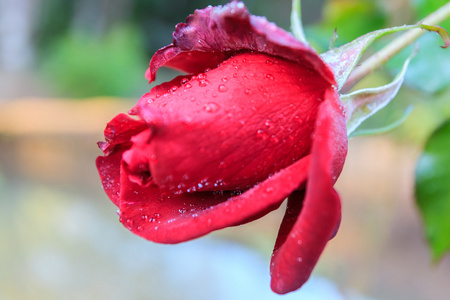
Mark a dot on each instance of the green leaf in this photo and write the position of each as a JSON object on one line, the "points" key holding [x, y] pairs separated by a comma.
{"points": [[433, 190]]}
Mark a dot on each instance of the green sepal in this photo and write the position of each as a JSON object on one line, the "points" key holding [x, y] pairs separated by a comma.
{"points": [[296, 21], [344, 59], [361, 104], [384, 129]]}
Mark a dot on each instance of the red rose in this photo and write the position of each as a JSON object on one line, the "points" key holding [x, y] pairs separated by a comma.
{"points": [[258, 120]]}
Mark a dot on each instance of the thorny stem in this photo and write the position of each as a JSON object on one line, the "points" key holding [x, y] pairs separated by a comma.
{"points": [[394, 47]]}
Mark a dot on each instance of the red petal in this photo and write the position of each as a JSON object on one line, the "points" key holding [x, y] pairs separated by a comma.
{"points": [[301, 240], [109, 170], [168, 218], [233, 126], [119, 131], [213, 34]]}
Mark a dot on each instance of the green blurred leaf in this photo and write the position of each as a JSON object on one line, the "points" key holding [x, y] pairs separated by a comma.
{"points": [[425, 7], [84, 65], [350, 18], [433, 190]]}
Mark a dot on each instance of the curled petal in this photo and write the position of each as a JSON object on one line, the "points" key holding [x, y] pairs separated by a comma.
{"points": [[214, 34], [168, 218], [308, 225]]}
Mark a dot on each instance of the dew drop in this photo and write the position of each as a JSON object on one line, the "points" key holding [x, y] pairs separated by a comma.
{"points": [[224, 79], [235, 75], [139, 228], [269, 189], [182, 210], [187, 86], [222, 88], [261, 134], [299, 259], [211, 107], [247, 92], [269, 76], [203, 82], [183, 81]]}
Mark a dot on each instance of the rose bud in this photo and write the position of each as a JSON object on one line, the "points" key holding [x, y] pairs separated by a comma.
{"points": [[258, 119]]}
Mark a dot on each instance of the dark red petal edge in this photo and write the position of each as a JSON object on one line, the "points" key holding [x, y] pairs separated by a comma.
{"points": [[303, 237], [118, 133], [139, 204], [213, 34]]}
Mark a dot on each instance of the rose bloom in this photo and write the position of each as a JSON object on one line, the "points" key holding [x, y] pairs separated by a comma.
{"points": [[256, 121]]}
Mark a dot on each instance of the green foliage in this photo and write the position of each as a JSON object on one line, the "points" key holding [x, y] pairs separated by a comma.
{"points": [[425, 7], [433, 190], [351, 19], [81, 65]]}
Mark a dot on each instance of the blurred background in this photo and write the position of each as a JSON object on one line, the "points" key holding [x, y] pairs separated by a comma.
{"points": [[68, 67]]}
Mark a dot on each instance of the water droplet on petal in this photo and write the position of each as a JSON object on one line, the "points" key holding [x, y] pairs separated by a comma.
{"points": [[299, 259], [211, 107], [269, 189], [222, 88], [261, 134], [203, 82], [235, 75], [224, 79], [269, 76]]}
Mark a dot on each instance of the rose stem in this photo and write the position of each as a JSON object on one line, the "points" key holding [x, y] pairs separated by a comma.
{"points": [[394, 47]]}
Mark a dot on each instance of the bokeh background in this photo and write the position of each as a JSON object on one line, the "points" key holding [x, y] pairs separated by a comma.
{"points": [[67, 67]]}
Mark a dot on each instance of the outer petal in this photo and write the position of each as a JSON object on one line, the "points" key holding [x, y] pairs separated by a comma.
{"points": [[213, 34], [168, 218], [118, 133], [233, 126], [302, 239]]}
